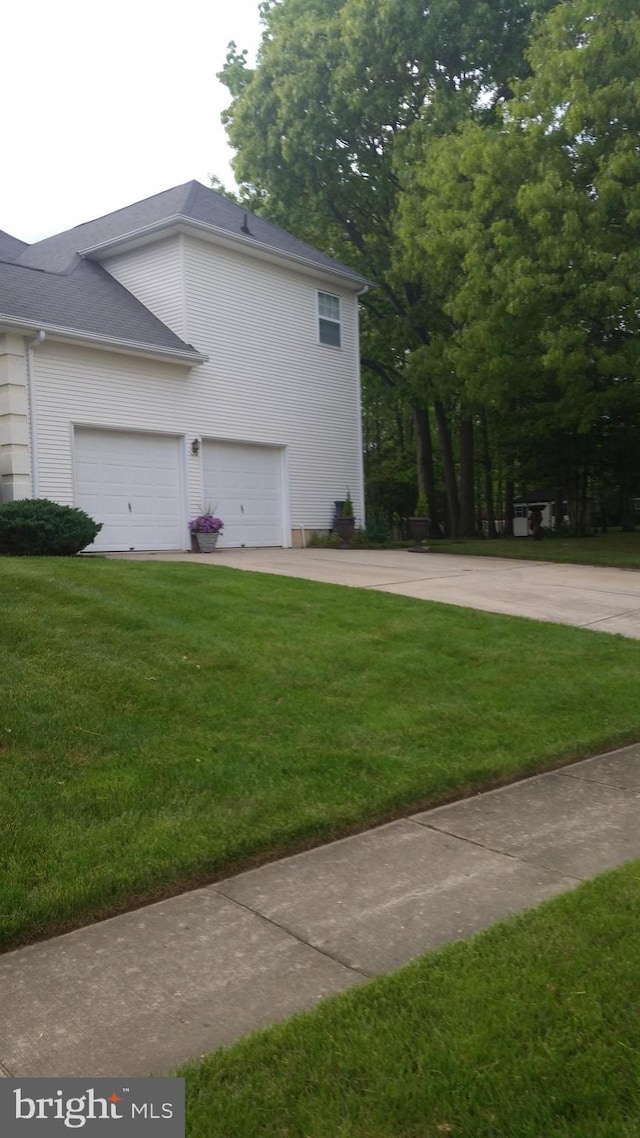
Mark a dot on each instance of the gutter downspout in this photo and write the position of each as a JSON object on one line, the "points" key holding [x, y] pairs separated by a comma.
{"points": [[31, 411], [361, 292]]}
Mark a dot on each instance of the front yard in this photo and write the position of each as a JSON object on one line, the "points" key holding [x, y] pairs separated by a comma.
{"points": [[163, 724]]}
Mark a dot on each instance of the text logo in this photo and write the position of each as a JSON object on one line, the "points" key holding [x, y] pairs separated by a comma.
{"points": [[132, 1108]]}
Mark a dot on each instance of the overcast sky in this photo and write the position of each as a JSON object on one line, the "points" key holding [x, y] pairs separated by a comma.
{"points": [[105, 104]]}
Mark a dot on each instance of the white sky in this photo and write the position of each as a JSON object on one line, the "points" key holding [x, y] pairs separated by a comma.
{"points": [[104, 104]]}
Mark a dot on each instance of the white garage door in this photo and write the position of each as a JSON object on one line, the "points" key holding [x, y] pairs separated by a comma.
{"points": [[243, 485], [133, 484]]}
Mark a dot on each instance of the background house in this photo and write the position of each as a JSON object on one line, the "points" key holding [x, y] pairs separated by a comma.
{"points": [[545, 501], [177, 355]]}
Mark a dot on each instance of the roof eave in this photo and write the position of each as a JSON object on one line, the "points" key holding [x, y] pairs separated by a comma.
{"points": [[181, 223], [114, 344]]}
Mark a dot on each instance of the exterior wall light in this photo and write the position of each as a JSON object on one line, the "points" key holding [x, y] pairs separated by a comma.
{"points": [[195, 446]]}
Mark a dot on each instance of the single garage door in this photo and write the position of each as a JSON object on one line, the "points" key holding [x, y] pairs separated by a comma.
{"points": [[243, 484], [133, 484]]}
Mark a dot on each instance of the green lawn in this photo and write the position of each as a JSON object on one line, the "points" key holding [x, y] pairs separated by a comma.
{"points": [[165, 723], [620, 550], [530, 1030]]}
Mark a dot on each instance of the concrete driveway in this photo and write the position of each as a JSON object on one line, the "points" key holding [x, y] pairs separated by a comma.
{"points": [[605, 600]]}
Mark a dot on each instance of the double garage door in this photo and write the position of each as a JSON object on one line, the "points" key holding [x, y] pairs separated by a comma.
{"points": [[134, 483]]}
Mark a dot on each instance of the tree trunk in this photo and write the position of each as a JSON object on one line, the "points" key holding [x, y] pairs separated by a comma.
{"points": [[450, 483], [627, 512], [509, 499], [467, 479], [426, 476], [488, 476], [577, 502]]}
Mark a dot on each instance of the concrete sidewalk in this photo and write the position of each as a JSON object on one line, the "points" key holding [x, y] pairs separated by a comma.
{"points": [[142, 992], [586, 596]]}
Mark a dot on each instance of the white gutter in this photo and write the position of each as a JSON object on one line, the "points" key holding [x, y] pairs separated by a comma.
{"points": [[183, 222], [75, 336], [31, 413], [359, 405]]}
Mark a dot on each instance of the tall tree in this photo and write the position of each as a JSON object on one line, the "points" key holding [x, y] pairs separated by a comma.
{"points": [[533, 226]]}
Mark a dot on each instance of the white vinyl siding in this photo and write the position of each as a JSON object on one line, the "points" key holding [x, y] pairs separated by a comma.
{"points": [[270, 380], [154, 274]]}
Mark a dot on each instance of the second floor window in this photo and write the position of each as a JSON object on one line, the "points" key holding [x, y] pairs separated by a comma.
{"points": [[329, 319]]}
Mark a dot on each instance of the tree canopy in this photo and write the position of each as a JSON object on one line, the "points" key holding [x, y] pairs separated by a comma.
{"points": [[480, 163]]}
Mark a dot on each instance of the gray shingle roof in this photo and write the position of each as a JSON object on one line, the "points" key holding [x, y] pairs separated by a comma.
{"points": [[189, 202], [10, 247], [87, 300], [52, 285]]}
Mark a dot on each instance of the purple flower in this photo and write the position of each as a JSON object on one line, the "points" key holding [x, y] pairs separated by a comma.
{"points": [[206, 523]]}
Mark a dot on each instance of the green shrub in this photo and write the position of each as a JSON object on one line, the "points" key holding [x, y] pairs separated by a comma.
{"points": [[37, 527], [324, 541], [377, 531]]}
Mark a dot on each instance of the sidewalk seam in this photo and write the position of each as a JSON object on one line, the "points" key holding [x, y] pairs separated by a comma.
{"points": [[596, 781], [501, 853], [295, 936], [415, 580], [615, 616], [5, 1071]]}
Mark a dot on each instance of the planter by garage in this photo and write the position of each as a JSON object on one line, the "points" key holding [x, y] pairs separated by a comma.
{"points": [[207, 541], [206, 530], [345, 528]]}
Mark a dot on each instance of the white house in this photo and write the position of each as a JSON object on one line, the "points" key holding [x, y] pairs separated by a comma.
{"points": [[178, 355]]}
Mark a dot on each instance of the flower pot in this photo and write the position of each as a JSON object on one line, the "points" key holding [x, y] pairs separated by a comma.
{"points": [[207, 542], [345, 528], [419, 529]]}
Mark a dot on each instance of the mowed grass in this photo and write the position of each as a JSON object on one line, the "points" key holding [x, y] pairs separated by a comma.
{"points": [[530, 1030], [619, 550], [162, 724]]}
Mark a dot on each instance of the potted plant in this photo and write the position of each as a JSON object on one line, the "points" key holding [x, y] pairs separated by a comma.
{"points": [[346, 522], [419, 523], [206, 528]]}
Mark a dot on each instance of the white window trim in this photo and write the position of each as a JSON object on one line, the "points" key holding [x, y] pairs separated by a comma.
{"points": [[329, 319]]}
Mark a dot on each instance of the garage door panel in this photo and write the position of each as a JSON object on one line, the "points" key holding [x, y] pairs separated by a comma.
{"points": [[243, 483], [132, 483]]}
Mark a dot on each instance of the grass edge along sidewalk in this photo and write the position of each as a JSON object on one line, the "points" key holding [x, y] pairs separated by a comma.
{"points": [[531, 1028], [164, 725]]}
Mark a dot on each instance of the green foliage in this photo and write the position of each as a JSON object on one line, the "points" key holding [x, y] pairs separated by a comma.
{"points": [[217, 185], [38, 527], [487, 181], [324, 541], [422, 509], [377, 530], [347, 508], [532, 227]]}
